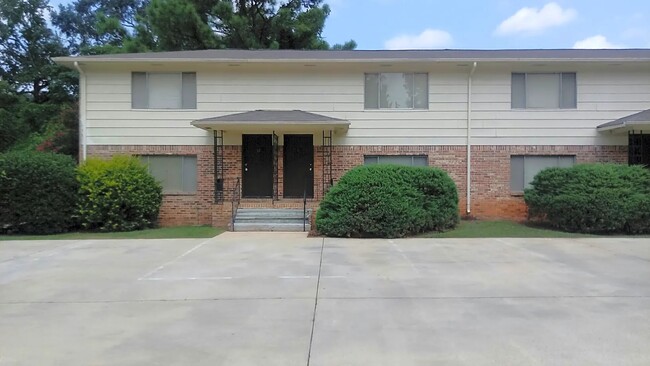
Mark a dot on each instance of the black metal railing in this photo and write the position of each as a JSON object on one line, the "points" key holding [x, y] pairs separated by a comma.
{"points": [[236, 197], [304, 207]]}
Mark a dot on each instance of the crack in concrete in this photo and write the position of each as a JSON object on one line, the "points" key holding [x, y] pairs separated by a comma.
{"points": [[313, 320]]}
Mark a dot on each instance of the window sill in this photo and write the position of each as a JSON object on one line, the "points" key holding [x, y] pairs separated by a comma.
{"points": [[517, 194], [179, 193]]}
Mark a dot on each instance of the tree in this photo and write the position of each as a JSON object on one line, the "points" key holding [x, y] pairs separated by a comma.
{"points": [[112, 26], [254, 24], [177, 25], [27, 46], [90, 25]]}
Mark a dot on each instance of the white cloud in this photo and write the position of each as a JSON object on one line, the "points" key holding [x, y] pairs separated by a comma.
{"points": [[596, 42], [429, 38], [534, 20]]}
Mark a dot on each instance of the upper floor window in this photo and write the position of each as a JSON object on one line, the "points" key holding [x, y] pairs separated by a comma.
{"points": [[544, 90], [157, 90], [396, 91]]}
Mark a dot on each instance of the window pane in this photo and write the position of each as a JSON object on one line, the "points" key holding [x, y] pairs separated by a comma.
{"points": [[396, 159], [543, 90], [371, 91], [409, 160], [518, 91], [517, 173], [189, 174], [420, 161], [396, 90], [569, 90], [535, 164], [167, 170], [139, 95], [189, 90], [421, 91], [164, 91], [566, 161], [368, 160]]}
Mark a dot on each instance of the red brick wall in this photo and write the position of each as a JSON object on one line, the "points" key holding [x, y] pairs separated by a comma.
{"points": [[491, 196], [185, 209]]}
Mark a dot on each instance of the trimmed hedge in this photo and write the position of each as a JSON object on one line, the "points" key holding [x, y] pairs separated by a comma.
{"points": [[38, 192], [117, 195], [389, 201], [592, 198]]}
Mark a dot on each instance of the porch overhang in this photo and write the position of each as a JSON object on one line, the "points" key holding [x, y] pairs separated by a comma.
{"points": [[634, 122], [262, 120]]}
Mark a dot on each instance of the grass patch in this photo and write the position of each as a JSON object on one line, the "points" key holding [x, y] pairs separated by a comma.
{"points": [[159, 233], [501, 229]]}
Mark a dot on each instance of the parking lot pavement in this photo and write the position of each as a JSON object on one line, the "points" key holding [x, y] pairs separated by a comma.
{"points": [[285, 299]]}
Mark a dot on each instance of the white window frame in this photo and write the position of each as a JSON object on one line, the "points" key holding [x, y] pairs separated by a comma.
{"points": [[180, 87], [379, 107], [526, 86]]}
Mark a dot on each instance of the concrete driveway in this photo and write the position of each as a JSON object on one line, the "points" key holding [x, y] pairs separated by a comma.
{"points": [[284, 299]]}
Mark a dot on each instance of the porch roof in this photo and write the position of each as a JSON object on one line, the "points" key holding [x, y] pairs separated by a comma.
{"points": [[640, 120], [272, 119]]}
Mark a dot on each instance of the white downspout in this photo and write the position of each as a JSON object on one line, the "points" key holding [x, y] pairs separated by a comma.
{"points": [[469, 140], [82, 111]]}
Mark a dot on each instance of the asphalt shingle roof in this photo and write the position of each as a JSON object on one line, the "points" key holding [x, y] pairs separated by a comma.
{"points": [[274, 116], [641, 117], [361, 55]]}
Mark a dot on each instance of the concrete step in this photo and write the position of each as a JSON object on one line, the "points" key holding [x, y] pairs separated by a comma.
{"points": [[259, 226], [295, 220], [271, 219], [263, 214]]}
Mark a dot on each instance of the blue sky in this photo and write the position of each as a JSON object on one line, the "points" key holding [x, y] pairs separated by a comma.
{"points": [[488, 24], [467, 24]]}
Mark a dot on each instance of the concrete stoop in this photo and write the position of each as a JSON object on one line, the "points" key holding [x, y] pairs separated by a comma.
{"points": [[271, 219]]}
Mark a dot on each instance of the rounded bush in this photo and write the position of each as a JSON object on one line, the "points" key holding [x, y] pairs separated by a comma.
{"points": [[592, 198], [117, 195], [38, 192], [389, 201]]}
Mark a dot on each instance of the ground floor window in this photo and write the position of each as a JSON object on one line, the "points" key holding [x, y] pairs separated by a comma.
{"points": [[523, 168], [177, 173], [410, 160]]}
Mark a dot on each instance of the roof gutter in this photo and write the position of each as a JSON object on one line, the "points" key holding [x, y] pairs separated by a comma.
{"points": [[82, 111], [469, 139]]}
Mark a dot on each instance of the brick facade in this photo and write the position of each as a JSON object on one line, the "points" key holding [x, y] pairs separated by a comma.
{"points": [[491, 196]]}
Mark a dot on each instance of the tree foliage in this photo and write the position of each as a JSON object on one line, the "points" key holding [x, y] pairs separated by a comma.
{"points": [[37, 96], [107, 26]]}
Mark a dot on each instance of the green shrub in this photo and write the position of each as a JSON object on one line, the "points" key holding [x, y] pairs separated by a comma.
{"points": [[117, 195], [592, 198], [38, 192], [389, 201]]}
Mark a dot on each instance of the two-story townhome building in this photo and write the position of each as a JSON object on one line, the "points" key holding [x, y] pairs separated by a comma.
{"points": [[265, 128]]}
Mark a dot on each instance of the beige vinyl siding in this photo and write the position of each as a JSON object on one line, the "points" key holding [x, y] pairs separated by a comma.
{"points": [[602, 97]]}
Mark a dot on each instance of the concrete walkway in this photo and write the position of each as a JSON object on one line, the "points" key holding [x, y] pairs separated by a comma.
{"points": [[285, 299]]}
